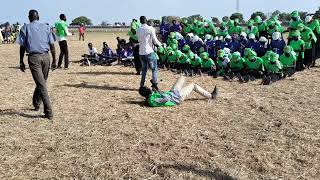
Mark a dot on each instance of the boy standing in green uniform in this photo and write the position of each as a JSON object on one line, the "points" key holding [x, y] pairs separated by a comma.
{"points": [[298, 46], [176, 95], [309, 38]]}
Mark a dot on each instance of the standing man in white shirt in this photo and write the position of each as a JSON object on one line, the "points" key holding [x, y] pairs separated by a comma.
{"points": [[147, 38]]}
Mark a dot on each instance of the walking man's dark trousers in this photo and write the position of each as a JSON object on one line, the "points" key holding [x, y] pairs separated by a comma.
{"points": [[64, 52]]}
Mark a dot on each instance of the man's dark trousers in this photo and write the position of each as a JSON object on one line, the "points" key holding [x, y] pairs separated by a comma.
{"points": [[39, 66], [64, 52]]}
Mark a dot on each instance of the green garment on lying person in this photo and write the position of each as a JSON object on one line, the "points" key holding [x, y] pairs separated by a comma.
{"points": [[288, 58], [253, 62], [155, 95], [196, 62], [237, 62], [274, 65]]}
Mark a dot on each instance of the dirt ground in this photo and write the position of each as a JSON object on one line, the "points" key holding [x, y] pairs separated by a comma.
{"points": [[103, 130]]}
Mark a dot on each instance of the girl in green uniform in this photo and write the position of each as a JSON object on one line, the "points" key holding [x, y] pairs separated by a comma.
{"points": [[298, 46], [288, 60], [273, 70]]}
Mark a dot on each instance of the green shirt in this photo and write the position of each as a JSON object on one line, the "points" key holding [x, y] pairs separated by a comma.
{"points": [[61, 28], [237, 65], [314, 26], [184, 60], [187, 28], [294, 26], [207, 64], [262, 27], [255, 64], [254, 30], [273, 68], [308, 36], [298, 46], [172, 57], [235, 30], [196, 62], [152, 100], [288, 61]]}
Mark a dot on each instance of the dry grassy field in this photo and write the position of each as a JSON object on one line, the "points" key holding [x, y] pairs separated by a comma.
{"points": [[103, 130]]}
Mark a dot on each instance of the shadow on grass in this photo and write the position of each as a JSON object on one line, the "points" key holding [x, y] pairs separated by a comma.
{"points": [[12, 112], [107, 87], [215, 173], [104, 73], [140, 103]]}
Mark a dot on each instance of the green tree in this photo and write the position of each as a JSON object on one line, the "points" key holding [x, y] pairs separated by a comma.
{"points": [[275, 13], [303, 15], [284, 17], [80, 20], [215, 20], [258, 13], [317, 13], [237, 16], [225, 19], [169, 19]]}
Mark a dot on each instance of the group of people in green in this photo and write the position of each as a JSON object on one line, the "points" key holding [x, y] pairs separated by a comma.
{"points": [[256, 49]]}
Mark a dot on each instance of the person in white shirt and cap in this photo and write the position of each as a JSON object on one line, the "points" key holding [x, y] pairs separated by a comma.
{"points": [[147, 38]]}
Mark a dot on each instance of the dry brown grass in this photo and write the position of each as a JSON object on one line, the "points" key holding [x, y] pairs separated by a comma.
{"points": [[102, 130]]}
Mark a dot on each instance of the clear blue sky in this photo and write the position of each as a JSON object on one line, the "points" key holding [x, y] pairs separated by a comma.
{"points": [[125, 10]]}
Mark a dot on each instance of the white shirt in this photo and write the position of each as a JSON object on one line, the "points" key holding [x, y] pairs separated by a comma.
{"points": [[147, 37], [93, 51]]}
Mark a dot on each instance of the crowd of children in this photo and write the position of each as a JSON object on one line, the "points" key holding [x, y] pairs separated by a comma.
{"points": [[254, 50], [8, 34]]}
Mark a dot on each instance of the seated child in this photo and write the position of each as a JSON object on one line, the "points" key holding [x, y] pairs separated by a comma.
{"points": [[273, 70], [176, 95], [237, 65], [254, 66], [288, 60], [91, 57]]}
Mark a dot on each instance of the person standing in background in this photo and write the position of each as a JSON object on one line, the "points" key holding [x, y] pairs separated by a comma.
{"points": [[147, 38], [36, 39], [62, 33], [82, 30]]}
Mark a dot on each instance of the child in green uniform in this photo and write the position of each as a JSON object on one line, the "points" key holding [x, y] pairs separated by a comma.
{"points": [[183, 62], [208, 66], [254, 66], [172, 59], [298, 46], [262, 26], [163, 56], [273, 70], [235, 28], [222, 63], [176, 95], [314, 25], [252, 29], [195, 65], [309, 38], [237, 64], [293, 25], [288, 60]]}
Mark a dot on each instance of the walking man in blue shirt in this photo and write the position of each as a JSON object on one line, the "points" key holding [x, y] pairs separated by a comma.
{"points": [[36, 39]]}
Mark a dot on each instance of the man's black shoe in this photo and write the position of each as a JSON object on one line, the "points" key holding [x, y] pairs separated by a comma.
{"points": [[214, 93]]}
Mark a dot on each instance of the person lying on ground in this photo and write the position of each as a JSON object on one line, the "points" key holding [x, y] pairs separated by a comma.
{"points": [[176, 95]]}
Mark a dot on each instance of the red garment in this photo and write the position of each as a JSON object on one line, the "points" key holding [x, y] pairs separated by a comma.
{"points": [[82, 30]]}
